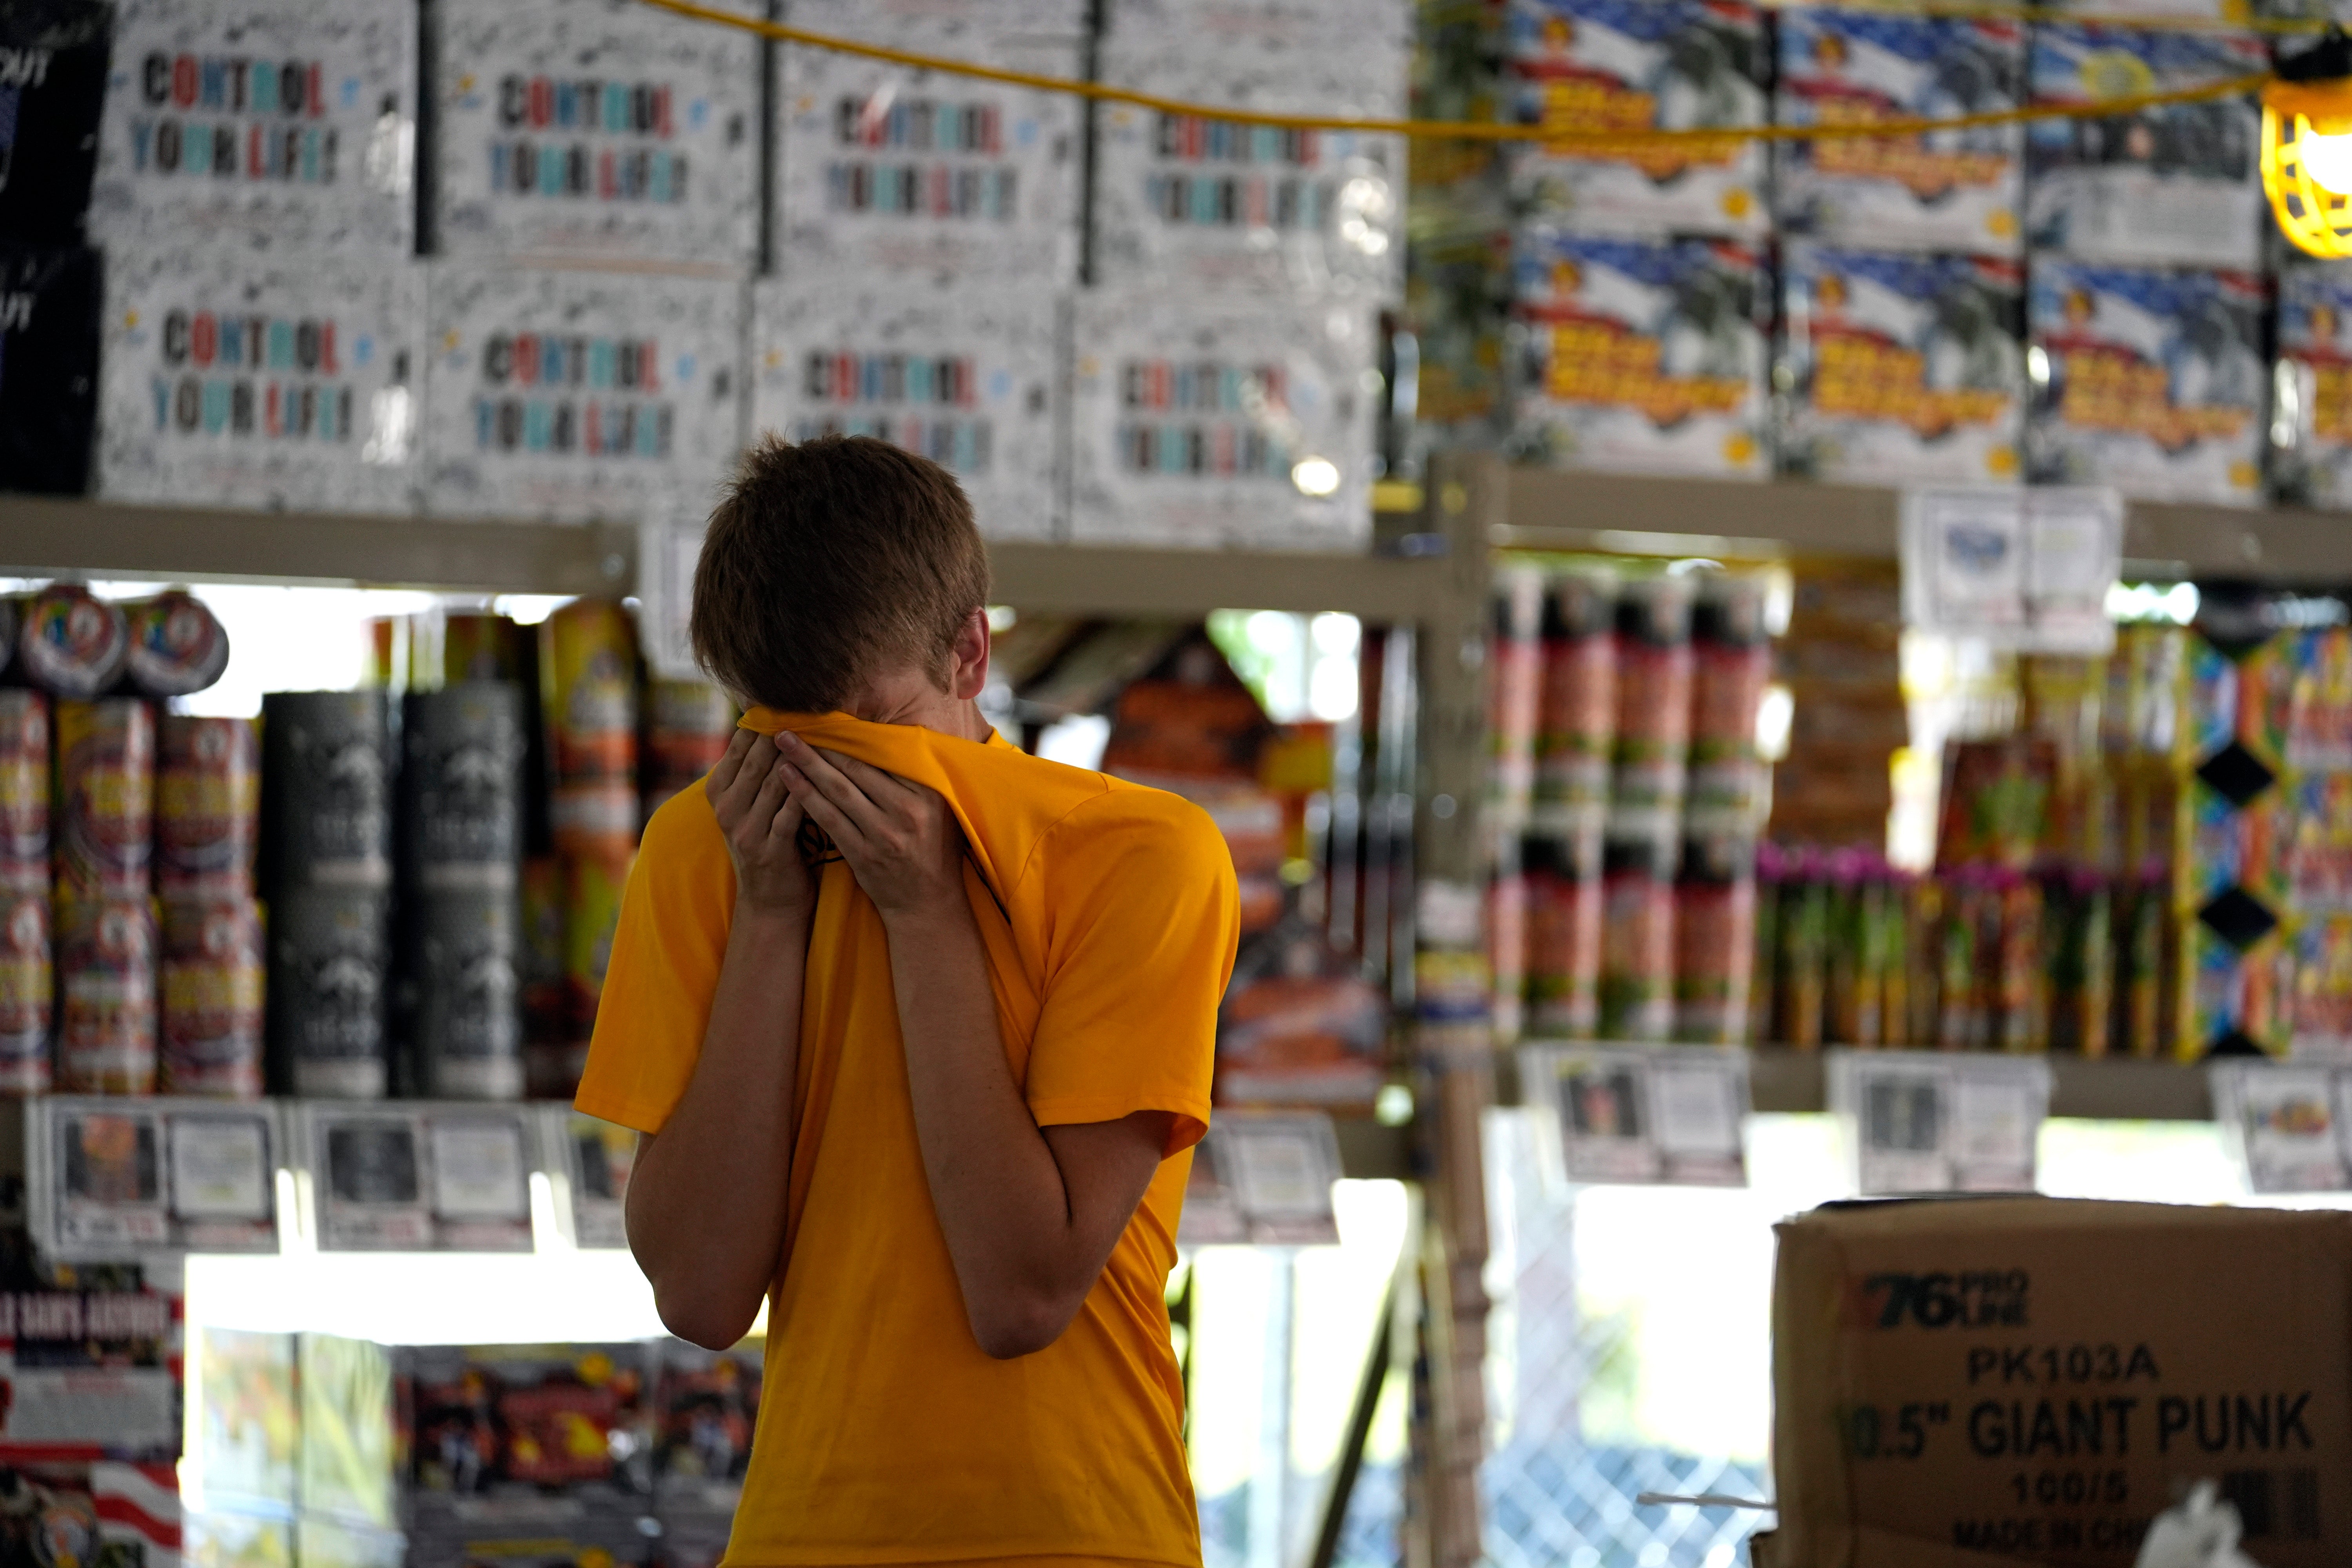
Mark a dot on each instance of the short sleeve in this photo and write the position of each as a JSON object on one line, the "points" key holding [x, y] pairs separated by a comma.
{"points": [[1139, 895], [666, 950]]}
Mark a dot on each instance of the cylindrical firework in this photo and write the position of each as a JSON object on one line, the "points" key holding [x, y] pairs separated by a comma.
{"points": [[588, 690], [1714, 942], [481, 646], [177, 646], [465, 949], [1564, 942], [325, 818], [212, 997], [688, 726], [592, 908], [1577, 724], [541, 955], [2020, 982], [106, 996], [207, 806], [1856, 969], [596, 818], [329, 985], [1653, 687], [1800, 982], [1514, 686], [461, 786], [71, 643], [24, 791], [1637, 944], [26, 992], [1731, 660], [1506, 949], [105, 798]]}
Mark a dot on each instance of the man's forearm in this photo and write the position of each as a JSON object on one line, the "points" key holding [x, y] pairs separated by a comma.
{"points": [[707, 1200]]}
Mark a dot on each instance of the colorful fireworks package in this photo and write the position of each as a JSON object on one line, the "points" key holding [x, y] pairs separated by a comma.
{"points": [[2315, 382]]}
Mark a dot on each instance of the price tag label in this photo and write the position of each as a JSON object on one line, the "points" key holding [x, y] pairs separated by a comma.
{"points": [[2023, 567], [481, 1180], [594, 1159], [1264, 1178], [108, 1178], [2290, 1125], [1929, 1122], [667, 553], [1644, 1114], [367, 1174]]}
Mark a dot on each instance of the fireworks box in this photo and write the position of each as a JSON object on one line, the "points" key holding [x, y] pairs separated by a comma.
{"points": [[243, 378], [2314, 351], [2173, 183], [594, 130], [1639, 355], [275, 122], [1957, 190], [1596, 65], [578, 395], [52, 85], [890, 169], [521, 1420], [2156, 381], [1202, 202], [1905, 368], [1965, 1380], [1216, 426], [48, 367], [967, 379]]}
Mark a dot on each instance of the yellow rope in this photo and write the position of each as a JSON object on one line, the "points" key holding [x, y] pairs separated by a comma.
{"points": [[1589, 140]]}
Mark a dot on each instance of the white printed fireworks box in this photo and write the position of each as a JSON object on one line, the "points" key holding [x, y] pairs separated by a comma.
{"points": [[2155, 382], [1225, 423], [1643, 356], [880, 167], [1903, 367], [1592, 67], [967, 378], [578, 395], [1954, 189], [2313, 385], [2176, 183], [594, 130], [230, 377], [290, 123], [1193, 200]]}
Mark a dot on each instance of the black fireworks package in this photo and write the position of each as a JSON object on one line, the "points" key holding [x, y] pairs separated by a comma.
{"points": [[48, 367], [52, 86]]}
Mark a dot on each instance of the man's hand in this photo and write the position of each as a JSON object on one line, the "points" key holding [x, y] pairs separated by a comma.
{"points": [[751, 795], [901, 842]]}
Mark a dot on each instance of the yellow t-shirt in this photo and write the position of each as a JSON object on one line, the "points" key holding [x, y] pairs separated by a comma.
{"points": [[885, 1434]]}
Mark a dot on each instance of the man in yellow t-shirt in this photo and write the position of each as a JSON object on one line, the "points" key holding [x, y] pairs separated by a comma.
{"points": [[919, 1031]]}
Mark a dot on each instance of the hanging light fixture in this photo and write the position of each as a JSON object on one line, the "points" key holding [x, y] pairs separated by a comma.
{"points": [[2307, 146]]}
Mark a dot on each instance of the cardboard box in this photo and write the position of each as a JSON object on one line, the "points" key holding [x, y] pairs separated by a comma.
{"points": [[1642, 356], [1197, 203], [1996, 1382], [587, 131], [968, 378], [1591, 66], [881, 168], [302, 114]]}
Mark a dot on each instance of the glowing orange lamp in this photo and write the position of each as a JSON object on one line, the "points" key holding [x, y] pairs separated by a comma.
{"points": [[2307, 146]]}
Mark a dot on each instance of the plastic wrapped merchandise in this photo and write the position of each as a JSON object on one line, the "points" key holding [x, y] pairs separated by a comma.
{"points": [[1902, 368], [49, 304], [1588, 65], [1637, 943], [594, 130], [1957, 190], [328, 984], [326, 820], [264, 381], [578, 395], [1714, 941], [1509, 921], [1576, 729], [105, 799], [1198, 206], [1514, 694], [894, 171], [280, 124], [212, 988], [106, 996], [968, 377], [1564, 941], [2314, 467], [1654, 665], [27, 992], [1731, 660], [177, 648], [2157, 383], [207, 806], [2176, 183], [1222, 424], [71, 643], [1641, 356], [23, 792]]}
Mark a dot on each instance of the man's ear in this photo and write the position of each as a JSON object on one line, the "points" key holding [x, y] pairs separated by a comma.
{"points": [[967, 657]]}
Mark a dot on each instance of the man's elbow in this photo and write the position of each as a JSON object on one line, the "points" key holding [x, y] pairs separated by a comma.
{"points": [[1021, 1325], [703, 1318]]}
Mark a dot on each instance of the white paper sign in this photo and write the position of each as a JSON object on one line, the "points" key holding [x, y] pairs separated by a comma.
{"points": [[667, 553], [108, 1178], [594, 1159], [1643, 1115], [2287, 1124], [1272, 1172], [2018, 567], [418, 1177], [1921, 1121]]}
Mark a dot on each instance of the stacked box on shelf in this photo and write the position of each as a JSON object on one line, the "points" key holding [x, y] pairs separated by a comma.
{"points": [[586, 132], [1840, 663], [2312, 462]]}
